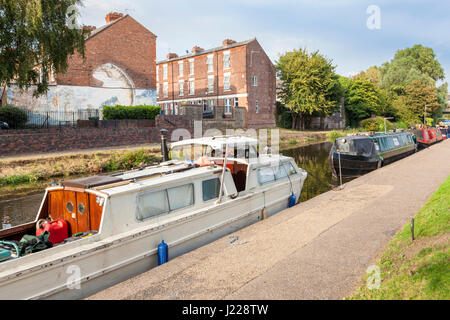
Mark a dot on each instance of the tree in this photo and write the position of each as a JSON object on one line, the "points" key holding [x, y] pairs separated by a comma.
{"points": [[362, 100], [309, 84], [35, 39], [372, 74]]}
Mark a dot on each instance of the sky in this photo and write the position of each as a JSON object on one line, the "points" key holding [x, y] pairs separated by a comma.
{"points": [[348, 32]]}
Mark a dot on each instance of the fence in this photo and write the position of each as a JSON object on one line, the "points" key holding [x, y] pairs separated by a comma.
{"points": [[60, 118]]}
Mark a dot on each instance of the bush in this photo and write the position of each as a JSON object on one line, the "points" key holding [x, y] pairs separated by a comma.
{"points": [[130, 113], [376, 124], [14, 117]]}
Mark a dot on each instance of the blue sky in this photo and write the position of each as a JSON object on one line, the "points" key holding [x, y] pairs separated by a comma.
{"points": [[337, 28]]}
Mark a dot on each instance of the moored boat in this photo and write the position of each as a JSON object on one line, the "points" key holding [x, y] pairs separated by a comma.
{"points": [[426, 137], [115, 223], [354, 156]]}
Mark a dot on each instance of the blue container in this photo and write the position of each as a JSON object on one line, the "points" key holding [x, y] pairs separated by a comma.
{"points": [[163, 253], [292, 201]]}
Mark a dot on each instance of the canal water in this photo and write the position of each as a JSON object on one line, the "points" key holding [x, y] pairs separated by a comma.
{"points": [[313, 159]]}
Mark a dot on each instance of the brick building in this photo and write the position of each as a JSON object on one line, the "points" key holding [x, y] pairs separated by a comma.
{"points": [[119, 68], [235, 74]]}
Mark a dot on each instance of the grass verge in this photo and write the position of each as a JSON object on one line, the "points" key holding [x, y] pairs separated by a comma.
{"points": [[420, 269]]}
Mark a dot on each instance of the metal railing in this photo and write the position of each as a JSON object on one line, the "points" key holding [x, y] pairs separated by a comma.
{"points": [[49, 119]]}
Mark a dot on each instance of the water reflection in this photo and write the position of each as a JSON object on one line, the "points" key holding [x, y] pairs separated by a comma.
{"points": [[21, 210], [314, 159]]}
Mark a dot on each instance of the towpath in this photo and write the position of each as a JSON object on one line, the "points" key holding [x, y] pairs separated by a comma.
{"points": [[319, 249]]}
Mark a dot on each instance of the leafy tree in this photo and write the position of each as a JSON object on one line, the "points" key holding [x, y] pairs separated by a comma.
{"points": [[373, 74], [362, 100], [35, 39], [309, 84]]}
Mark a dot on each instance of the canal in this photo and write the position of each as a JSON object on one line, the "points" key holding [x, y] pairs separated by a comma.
{"points": [[313, 159]]}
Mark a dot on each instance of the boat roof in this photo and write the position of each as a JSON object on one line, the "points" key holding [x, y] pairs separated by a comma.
{"points": [[376, 135], [217, 142]]}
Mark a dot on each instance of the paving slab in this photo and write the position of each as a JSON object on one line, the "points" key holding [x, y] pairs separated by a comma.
{"points": [[319, 249]]}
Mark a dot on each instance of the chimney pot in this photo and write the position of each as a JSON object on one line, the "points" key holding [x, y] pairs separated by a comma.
{"points": [[171, 56], [197, 49], [113, 16], [228, 42]]}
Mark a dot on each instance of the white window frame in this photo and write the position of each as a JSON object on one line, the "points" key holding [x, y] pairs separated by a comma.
{"points": [[157, 73], [211, 84], [226, 60], [210, 63], [165, 72], [181, 87], [191, 87], [236, 102], [255, 81], [256, 106], [166, 89], [166, 109], [157, 90], [181, 68], [227, 109], [227, 76], [191, 67]]}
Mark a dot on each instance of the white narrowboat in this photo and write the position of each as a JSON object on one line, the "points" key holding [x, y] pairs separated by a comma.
{"points": [[211, 188]]}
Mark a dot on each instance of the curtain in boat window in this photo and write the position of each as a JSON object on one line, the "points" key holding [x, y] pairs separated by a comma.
{"points": [[181, 197], [152, 204], [266, 175], [211, 189]]}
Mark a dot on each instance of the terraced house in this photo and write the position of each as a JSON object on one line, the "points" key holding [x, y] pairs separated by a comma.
{"points": [[234, 74]]}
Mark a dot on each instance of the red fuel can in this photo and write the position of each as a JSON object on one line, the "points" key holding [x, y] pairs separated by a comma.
{"points": [[59, 231]]}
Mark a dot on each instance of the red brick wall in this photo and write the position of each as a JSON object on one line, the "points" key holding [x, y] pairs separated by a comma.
{"points": [[126, 44], [261, 66]]}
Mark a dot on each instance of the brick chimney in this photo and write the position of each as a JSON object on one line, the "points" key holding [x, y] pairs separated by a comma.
{"points": [[89, 28], [228, 42], [197, 49], [171, 56], [113, 16]]}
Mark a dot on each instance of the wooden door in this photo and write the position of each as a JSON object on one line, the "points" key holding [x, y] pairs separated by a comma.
{"points": [[70, 211], [83, 223], [56, 205], [95, 211]]}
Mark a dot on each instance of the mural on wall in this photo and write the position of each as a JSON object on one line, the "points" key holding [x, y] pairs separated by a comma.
{"points": [[113, 87]]}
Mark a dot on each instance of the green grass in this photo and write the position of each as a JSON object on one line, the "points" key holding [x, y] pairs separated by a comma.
{"points": [[418, 270], [293, 142]]}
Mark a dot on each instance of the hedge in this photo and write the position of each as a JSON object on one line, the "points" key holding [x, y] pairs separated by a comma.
{"points": [[130, 113], [14, 117], [376, 124]]}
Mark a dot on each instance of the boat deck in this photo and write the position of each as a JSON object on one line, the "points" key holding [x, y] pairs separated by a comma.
{"points": [[317, 250]]}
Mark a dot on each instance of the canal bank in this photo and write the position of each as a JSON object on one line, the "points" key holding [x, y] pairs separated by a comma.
{"points": [[319, 249]]}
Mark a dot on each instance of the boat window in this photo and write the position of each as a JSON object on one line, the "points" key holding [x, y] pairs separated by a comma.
{"points": [[266, 175], [211, 189], [181, 197], [343, 145], [284, 170], [152, 204]]}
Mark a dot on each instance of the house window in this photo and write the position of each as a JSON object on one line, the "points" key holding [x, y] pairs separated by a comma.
{"points": [[157, 90], [157, 73], [210, 62], [166, 109], [176, 108], [171, 109], [165, 72], [236, 102], [226, 60], [180, 68], [166, 89], [210, 84], [257, 106], [227, 82], [191, 67], [211, 189], [181, 86], [205, 105], [255, 81], [191, 86], [227, 106]]}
